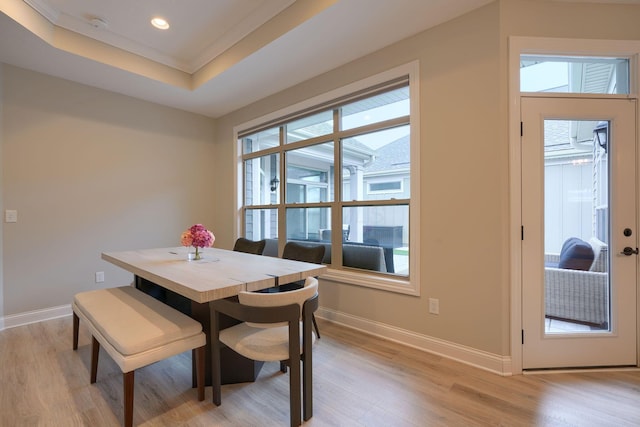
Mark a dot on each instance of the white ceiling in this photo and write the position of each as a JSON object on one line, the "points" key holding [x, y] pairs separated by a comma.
{"points": [[218, 55], [198, 32]]}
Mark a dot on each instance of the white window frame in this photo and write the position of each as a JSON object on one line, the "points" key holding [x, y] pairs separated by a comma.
{"points": [[400, 284]]}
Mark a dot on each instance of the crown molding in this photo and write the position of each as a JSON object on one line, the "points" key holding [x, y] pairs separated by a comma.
{"points": [[49, 13]]}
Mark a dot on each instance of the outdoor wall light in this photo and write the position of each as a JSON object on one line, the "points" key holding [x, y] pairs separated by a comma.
{"points": [[601, 133], [274, 183]]}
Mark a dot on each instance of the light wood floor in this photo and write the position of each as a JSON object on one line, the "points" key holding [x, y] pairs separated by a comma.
{"points": [[359, 381]]}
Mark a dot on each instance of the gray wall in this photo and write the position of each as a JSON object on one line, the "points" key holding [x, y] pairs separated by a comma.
{"points": [[1, 201], [91, 171], [459, 68], [464, 123]]}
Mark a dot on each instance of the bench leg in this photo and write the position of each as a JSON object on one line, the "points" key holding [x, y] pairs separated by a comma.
{"points": [[95, 350], [76, 326], [128, 380], [199, 355]]}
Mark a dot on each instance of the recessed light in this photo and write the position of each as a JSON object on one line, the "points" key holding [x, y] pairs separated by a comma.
{"points": [[160, 23]]}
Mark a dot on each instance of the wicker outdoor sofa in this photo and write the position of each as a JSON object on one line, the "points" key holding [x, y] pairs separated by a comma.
{"points": [[577, 295]]}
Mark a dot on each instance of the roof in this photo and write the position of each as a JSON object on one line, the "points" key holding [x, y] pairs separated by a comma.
{"points": [[393, 156]]}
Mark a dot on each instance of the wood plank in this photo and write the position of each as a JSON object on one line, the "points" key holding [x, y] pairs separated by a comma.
{"points": [[220, 274], [359, 380]]}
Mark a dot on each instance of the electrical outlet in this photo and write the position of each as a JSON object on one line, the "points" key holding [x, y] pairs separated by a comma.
{"points": [[434, 306], [99, 276]]}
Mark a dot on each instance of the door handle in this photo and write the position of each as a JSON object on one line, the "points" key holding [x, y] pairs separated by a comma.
{"points": [[628, 251]]}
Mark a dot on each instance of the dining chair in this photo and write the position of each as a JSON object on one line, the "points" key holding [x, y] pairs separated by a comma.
{"points": [[249, 246], [305, 253], [271, 330]]}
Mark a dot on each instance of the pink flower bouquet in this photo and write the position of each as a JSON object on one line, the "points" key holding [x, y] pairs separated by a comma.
{"points": [[199, 237]]}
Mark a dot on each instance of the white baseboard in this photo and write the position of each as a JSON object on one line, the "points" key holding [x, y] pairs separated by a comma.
{"points": [[500, 365], [35, 316]]}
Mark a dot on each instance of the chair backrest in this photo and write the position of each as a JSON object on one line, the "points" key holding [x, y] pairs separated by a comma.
{"points": [[249, 246], [364, 257], [271, 248], [261, 299], [600, 254], [306, 253]]}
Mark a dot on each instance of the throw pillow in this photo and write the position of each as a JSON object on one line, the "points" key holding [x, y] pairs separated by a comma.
{"points": [[576, 254]]}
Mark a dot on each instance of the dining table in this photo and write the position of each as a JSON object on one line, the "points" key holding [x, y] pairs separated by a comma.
{"points": [[189, 285]]}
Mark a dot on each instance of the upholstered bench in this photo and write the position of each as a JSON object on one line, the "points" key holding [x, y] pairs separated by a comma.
{"points": [[136, 330]]}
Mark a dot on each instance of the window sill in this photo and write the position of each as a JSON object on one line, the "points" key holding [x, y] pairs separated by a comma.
{"points": [[375, 281]]}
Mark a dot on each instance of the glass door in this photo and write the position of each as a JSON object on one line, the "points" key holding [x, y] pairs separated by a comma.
{"points": [[579, 241]]}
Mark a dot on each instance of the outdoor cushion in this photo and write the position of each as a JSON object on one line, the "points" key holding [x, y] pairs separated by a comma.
{"points": [[576, 254]]}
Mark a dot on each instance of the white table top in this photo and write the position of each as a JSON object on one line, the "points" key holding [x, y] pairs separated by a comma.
{"points": [[220, 274]]}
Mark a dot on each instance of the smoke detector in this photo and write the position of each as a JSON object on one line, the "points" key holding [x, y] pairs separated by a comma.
{"points": [[98, 23]]}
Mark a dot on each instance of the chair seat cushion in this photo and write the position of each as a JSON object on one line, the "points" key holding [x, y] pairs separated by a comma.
{"points": [[269, 345], [114, 311]]}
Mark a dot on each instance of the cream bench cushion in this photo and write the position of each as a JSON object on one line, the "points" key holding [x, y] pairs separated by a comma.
{"points": [[134, 328]]}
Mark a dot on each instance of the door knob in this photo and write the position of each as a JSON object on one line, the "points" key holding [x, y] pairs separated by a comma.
{"points": [[628, 251]]}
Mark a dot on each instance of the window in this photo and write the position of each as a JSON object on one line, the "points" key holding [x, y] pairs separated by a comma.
{"points": [[342, 164], [385, 187], [570, 74]]}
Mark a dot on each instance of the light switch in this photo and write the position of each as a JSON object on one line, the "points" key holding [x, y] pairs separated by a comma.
{"points": [[434, 306], [10, 216]]}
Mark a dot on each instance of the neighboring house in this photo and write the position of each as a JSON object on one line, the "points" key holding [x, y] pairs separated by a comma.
{"points": [[387, 176]]}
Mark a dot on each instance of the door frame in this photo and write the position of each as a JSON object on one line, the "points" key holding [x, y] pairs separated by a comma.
{"points": [[549, 46]]}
